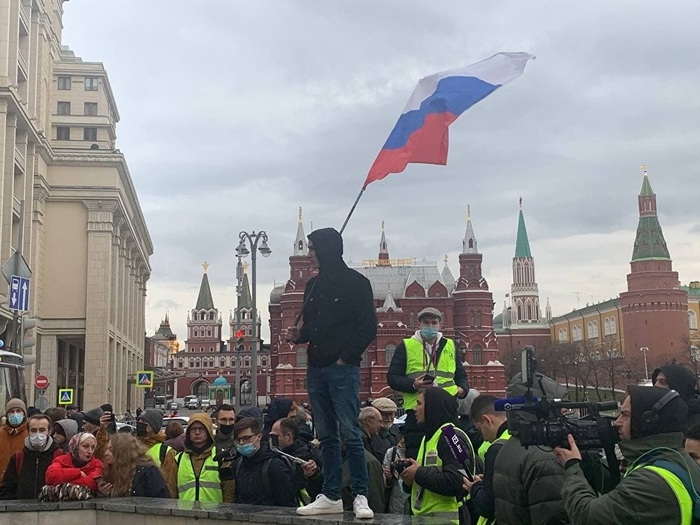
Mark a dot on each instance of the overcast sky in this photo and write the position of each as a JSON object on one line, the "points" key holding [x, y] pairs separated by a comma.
{"points": [[234, 114]]}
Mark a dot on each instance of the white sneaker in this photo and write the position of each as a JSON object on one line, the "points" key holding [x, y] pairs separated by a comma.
{"points": [[322, 505], [361, 507]]}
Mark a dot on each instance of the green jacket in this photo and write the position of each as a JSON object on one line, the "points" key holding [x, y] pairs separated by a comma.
{"points": [[641, 497]]}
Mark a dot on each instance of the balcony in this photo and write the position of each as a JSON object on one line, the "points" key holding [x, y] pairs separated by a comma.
{"points": [[92, 121], [20, 160], [25, 18], [22, 67]]}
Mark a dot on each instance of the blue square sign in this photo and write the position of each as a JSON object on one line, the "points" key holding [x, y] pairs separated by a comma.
{"points": [[19, 294]]}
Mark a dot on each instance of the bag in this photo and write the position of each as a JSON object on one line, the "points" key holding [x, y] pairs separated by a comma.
{"points": [[64, 492]]}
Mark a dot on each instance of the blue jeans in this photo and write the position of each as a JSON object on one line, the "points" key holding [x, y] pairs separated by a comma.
{"points": [[334, 392]]}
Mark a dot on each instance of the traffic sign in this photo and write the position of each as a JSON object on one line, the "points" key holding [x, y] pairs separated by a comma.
{"points": [[65, 396], [41, 403], [19, 294], [16, 265], [144, 379], [41, 382]]}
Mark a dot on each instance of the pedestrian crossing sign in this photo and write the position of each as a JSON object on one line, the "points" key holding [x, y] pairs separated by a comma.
{"points": [[144, 379], [65, 396]]}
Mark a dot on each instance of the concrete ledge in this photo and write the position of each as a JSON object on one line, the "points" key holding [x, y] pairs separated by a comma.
{"points": [[148, 511]]}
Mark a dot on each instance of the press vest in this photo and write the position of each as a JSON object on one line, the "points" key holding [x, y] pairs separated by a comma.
{"points": [[425, 502], [416, 366], [504, 437], [685, 502], [206, 487]]}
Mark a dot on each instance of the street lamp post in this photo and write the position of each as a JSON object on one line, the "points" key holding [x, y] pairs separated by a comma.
{"points": [[695, 356], [645, 349], [236, 348], [252, 239]]}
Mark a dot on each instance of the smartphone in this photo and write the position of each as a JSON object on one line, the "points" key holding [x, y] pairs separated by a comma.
{"points": [[428, 377], [274, 441], [99, 480]]}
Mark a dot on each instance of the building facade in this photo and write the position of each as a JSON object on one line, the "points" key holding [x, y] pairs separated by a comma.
{"points": [[84, 236], [402, 288]]}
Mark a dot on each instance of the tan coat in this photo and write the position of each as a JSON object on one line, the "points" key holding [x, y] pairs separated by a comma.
{"points": [[11, 440]]}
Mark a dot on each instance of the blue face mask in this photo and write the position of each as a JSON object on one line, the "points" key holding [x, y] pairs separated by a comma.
{"points": [[15, 420], [246, 450], [428, 333]]}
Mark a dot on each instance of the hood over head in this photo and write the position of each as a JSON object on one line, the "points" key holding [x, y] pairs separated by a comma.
{"points": [[679, 378], [278, 409], [440, 408], [69, 428], [205, 420], [328, 245], [672, 417], [249, 412]]}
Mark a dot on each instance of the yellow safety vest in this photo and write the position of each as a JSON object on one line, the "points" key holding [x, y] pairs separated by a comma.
{"points": [[482, 450], [425, 502], [416, 367], [206, 487], [685, 502], [154, 452]]}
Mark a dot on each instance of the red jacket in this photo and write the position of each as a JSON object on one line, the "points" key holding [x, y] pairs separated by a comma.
{"points": [[62, 470]]}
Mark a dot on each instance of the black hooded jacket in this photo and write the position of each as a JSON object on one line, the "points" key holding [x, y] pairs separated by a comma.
{"points": [[682, 380], [340, 318], [250, 486], [278, 409]]}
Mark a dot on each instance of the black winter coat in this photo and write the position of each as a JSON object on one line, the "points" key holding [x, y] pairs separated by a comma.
{"points": [[340, 318], [304, 450], [31, 479], [250, 488], [148, 483]]}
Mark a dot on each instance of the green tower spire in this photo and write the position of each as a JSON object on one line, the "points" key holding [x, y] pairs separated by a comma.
{"points": [[204, 300], [522, 245], [650, 242]]}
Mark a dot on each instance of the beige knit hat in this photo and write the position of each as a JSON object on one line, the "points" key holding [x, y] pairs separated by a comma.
{"points": [[16, 403]]}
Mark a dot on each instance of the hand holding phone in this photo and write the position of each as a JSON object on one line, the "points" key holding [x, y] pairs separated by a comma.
{"points": [[428, 378]]}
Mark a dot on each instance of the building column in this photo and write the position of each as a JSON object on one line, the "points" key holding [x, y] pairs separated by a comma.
{"points": [[98, 381]]}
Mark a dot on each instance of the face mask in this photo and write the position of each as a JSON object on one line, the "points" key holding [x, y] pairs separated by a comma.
{"points": [[141, 428], [428, 333], [246, 450], [38, 440], [226, 429], [15, 420]]}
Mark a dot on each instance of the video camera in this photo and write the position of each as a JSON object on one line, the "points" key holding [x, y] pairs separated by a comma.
{"points": [[592, 430]]}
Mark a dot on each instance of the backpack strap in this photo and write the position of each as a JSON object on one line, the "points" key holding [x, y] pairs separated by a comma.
{"points": [[19, 461], [178, 458], [266, 476], [684, 477], [163, 452]]}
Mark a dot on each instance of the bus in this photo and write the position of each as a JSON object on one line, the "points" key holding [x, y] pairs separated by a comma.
{"points": [[163, 402], [11, 377]]}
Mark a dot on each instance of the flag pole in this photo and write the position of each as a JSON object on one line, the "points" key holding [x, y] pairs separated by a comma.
{"points": [[354, 205], [342, 228]]}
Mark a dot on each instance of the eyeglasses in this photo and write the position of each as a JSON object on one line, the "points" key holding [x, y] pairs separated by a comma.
{"points": [[242, 440], [197, 429]]}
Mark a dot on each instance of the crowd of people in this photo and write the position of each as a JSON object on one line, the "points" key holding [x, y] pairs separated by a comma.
{"points": [[455, 457]]}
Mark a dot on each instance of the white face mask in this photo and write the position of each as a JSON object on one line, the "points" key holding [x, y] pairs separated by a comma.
{"points": [[38, 440]]}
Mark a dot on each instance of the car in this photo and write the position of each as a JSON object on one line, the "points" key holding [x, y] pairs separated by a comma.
{"points": [[205, 404], [183, 420], [174, 405], [193, 404], [126, 428]]}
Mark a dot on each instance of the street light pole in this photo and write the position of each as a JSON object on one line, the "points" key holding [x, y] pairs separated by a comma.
{"points": [[236, 346], [645, 349], [252, 239]]}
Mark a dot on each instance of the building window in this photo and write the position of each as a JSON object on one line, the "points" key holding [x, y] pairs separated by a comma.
{"points": [[389, 353], [64, 83], [692, 320], [301, 357], [613, 326], [577, 333], [563, 335], [209, 332], [606, 326], [90, 108], [477, 355], [89, 133], [91, 83], [263, 360], [63, 133], [63, 108]]}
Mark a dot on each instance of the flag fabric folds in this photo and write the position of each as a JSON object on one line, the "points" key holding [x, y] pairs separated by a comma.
{"points": [[421, 133]]}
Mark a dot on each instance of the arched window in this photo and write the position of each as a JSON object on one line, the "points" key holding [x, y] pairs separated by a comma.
{"points": [[301, 357], [529, 311], [389, 353], [471, 243], [301, 246], [595, 328], [606, 326], [613, 326], [246, 361], [562, 334], [196, 333], [692, 320], [477, 355], [201, 390], [212, 316], [263, 360], [209, 332]]}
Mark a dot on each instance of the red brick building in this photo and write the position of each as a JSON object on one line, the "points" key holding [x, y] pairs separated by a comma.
{"points": [[401, 289]]}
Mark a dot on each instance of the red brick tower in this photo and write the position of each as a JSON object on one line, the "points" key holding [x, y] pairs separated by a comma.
{"points": [[654, 307]]}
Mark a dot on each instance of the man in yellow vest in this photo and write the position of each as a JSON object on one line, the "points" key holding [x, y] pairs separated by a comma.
{"points": [[494, 427], [444, 457], [425, 359], [196, 473], [658, 485], [150, 433]]}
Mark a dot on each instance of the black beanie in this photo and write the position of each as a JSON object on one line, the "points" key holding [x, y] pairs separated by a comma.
{"points": [[671, 418], [93, 416], [107, 408]]}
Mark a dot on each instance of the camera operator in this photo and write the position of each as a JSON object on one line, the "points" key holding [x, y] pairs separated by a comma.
{"points": [[445, 455], [527, 482], [650, 425], [494, 428]]}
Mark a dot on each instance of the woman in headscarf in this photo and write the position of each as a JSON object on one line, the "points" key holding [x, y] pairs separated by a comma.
{"points": [[79, 466], [129, 472]]}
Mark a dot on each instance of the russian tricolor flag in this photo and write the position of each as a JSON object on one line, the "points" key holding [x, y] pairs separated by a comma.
{"points": [[421, 133]]}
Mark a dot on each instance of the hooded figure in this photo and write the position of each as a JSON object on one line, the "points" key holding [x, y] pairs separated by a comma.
{"points": [[279, 408], [339, 318], [682, 380], [13, 432], [197, 462], [63, 431]]}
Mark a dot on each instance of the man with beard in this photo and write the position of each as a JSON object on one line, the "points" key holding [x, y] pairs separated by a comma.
{"points": [[196, 473], [307, 477], [339, 322], [261, 476], [444, 456], [650, 424]]}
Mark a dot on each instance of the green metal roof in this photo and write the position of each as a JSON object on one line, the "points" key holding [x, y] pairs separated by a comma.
{"points": [[522, 245], [246, 297], [646, 186], [204, 301], [650, 242]]}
